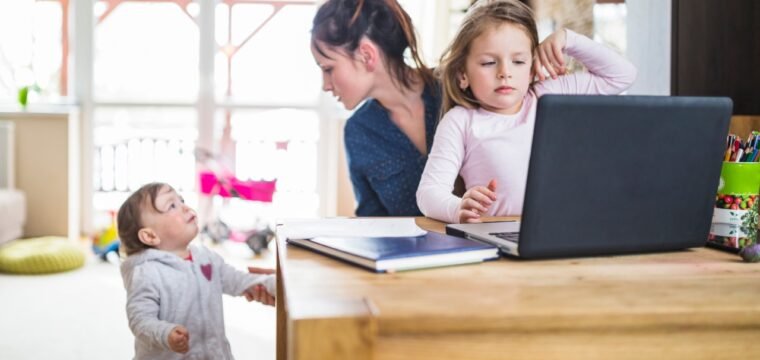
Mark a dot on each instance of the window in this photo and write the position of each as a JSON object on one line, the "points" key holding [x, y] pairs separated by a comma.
{"points": [[31, 48], [265, 96], [145, 51], [155, 93]]}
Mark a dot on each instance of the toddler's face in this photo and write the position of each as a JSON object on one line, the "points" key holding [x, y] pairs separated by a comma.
{"points": [[498, 68], [176, 224]]}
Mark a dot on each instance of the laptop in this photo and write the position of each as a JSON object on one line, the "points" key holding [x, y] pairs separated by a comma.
{"points": [[616, 175]]}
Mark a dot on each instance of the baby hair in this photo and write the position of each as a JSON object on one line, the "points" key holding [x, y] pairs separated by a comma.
{"points": [[129, 218]]}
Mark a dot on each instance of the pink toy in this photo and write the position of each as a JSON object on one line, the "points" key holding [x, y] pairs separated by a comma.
{"points": [[218, 181], [230, 186]]}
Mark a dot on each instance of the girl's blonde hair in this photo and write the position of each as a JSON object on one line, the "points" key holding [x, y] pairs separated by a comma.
{"points": [[483, 15]]}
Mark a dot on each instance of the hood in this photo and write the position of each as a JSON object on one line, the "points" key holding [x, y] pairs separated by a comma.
{"points": [[147, 256]]}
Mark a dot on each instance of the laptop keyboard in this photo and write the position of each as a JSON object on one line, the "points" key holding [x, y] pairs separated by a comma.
{"points": [[509, 236]]}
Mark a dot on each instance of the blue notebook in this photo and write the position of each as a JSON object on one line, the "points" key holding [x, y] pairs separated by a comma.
{"points": [[390, 254]]}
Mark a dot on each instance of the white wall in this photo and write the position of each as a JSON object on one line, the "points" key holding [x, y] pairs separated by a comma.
{"points": [[649, 45]]}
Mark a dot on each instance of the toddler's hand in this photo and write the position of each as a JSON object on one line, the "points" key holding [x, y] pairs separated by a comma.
{"points": [[549, 55], [258, 292], [476, 201], [179, 339]]}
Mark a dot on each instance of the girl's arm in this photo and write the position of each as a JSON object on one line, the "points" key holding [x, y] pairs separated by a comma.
{"points": [[609, 73], [434, 196]]}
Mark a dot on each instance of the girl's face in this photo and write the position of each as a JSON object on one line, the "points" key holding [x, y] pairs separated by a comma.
{"points": [[175, 225], [343, 75], [498, 68]]}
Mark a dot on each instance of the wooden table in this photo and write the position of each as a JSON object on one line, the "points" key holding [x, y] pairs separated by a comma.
{"points": [[695, 304]]}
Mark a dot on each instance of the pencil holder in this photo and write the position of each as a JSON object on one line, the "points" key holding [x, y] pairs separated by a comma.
{"points": [[737, 195]]}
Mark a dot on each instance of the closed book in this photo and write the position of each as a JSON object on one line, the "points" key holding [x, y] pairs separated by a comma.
{"points": [[390, 254]]}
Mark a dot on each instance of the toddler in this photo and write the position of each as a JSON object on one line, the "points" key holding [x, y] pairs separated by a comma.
{"points": [[489, 106], [174, 290]]}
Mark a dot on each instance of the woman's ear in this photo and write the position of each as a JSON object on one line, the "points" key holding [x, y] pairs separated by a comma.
{"points": [[148, 237], [368, 54]]}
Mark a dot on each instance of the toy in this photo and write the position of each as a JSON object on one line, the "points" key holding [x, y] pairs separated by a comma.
{"points": [[218, 181], [257, 239], [106, 243]]}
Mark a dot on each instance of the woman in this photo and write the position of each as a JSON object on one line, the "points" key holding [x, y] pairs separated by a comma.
{"points": [[360, 45]]}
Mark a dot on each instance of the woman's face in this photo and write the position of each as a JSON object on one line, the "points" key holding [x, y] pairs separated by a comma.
{"points": [[343, 75]]}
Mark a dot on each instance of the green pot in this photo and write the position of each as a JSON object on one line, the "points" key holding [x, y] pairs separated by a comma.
{"points": [[739, 178]]}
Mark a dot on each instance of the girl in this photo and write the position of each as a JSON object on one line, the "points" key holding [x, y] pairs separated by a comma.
{"points": [[490, 106], [360, 45]]}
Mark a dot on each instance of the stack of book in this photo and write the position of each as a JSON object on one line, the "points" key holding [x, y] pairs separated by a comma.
{"points": [[387, 245]]}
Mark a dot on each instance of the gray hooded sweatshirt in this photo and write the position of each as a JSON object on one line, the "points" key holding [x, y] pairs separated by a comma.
{"points": [[164, 290]]}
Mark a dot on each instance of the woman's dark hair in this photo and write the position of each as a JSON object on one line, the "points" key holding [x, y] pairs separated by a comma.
{"points": [[341, 24], [129, 218]]}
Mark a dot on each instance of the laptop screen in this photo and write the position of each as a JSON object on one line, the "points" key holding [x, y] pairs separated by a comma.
{"points": [[622, 174]]}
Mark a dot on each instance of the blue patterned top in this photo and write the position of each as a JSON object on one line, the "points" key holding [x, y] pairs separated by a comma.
{"points": [[384, 165]]}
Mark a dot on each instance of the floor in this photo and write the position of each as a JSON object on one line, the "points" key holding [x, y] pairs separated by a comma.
{"points": [[80, 314]]}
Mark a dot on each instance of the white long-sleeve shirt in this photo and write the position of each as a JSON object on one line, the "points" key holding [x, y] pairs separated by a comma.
{"points": [[480, 145]]}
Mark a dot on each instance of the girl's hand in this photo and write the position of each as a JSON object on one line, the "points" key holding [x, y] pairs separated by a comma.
{"points": [[549, 55], [179, 339], [476, 201]]}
